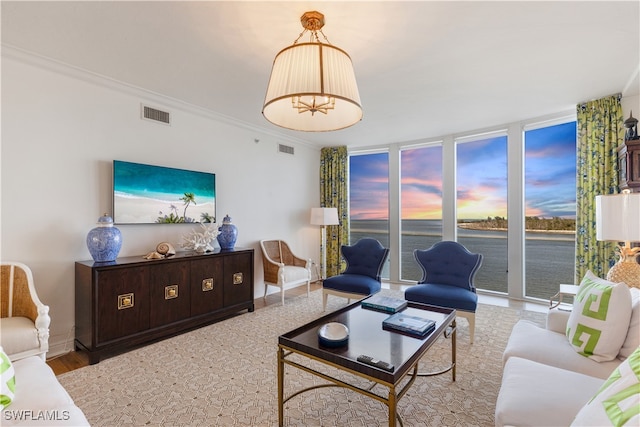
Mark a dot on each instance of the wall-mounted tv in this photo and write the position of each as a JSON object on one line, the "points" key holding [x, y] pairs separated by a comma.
{"points": [[147, 194]]}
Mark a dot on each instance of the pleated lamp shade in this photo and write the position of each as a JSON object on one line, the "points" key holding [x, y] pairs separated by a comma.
{"points": [[312, 87]]}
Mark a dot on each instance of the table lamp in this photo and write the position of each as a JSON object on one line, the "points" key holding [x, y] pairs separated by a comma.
{"points": [[618, 220], [324, 217]]}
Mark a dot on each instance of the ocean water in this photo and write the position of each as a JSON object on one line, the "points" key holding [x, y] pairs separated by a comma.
{"points": [[550, 257]]}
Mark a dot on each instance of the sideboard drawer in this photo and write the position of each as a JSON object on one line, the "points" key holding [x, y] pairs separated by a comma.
{"points": [[169, 293], [124, 303], [206, 286]]}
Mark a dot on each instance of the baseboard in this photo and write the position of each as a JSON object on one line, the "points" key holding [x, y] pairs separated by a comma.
{"points": [[60, 347]]}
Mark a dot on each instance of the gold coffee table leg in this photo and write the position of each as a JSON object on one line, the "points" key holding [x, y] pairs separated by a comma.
{"points": [[280, 386], [392, 403]]}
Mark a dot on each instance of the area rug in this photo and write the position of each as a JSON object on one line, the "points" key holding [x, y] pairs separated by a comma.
{"points": [[225, 374]]}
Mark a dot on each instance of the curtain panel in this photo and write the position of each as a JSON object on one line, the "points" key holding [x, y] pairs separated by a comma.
{"points": [[600, 127], [333, 194]]}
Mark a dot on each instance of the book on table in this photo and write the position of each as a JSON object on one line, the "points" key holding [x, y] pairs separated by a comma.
{"points": [[413, 325], [384, 303]]}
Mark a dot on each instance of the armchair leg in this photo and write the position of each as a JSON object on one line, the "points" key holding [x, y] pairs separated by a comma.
{"points": [[471, 318], [325, 296]]}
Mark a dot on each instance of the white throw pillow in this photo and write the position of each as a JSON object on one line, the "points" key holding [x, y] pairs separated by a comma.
{"points": [[633, 335], [8, 379], [617, 403], [599, 321]]}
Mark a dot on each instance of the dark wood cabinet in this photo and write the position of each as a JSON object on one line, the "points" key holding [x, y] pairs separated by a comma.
{"points": [[629, 165], [134, 301]]}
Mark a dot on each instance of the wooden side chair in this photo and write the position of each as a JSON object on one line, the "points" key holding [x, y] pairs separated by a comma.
{"points": [[365, 260], [448, 271], [24, 322], [282, 268]]}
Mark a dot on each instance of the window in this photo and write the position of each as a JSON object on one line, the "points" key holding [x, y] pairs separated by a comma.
{"points": [[550, 208], [421, 204], [464, 188], [369, 199], [481, 173]]}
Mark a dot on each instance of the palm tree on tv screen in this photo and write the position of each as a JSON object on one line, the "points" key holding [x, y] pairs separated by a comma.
{"points": [[188, 199]]}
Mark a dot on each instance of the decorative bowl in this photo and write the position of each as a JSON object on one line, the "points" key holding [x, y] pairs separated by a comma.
{"points": [[333, 334]]}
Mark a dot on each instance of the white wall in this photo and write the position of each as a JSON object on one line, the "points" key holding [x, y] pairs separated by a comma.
{"points": [[61, 129], [630, 103]]}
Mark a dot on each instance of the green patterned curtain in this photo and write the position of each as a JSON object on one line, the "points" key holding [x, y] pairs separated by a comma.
{"points": [[333, 194], [600, 130]]}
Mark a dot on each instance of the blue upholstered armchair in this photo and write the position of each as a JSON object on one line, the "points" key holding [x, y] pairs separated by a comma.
{"points": [[448, 270], [361, 278]]}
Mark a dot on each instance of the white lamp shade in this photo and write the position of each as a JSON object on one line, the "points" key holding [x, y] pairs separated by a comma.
{"points": [[307, 70], [324, 216], [618, 217]]}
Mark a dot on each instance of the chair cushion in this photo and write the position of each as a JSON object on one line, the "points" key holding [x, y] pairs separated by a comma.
{"points": [[7, 380], [292, 274], [599, 321], [617, 403], [529, 341], [633, 334], [443, 296], [18, 334], [352, 283], [448, 263], [38, 389], [534, 394], [365, 258]]}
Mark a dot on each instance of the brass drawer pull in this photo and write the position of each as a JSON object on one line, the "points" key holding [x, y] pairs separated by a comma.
{"points": [[125, 301], [207, 284], [171, 292], [237, 278]]}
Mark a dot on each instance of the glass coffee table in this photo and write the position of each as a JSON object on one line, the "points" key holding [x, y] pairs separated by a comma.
{"points": [[366, 337]]}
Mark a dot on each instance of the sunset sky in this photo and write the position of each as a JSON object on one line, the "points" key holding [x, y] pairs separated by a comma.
{"points": [[550, 169]]}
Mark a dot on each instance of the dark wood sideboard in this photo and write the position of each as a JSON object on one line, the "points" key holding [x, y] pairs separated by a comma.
{"points": [[133, 301]]}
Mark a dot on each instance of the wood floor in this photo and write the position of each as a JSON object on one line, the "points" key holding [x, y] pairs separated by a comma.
{"points": [[77, 359]]}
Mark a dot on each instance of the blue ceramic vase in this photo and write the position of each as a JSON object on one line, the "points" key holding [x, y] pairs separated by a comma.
{"points": [[228, 234], [104, 241]]}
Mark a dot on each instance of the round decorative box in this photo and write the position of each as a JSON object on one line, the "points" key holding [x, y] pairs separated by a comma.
{"points": [[228, 233], [333, 334], [104, 241]]}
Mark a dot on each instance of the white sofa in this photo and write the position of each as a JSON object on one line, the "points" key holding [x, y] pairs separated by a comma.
{"points": [[545, 381], [40, 400]]}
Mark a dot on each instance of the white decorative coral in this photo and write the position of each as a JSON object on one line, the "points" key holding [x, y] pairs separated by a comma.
{"points": [[203, 241]]}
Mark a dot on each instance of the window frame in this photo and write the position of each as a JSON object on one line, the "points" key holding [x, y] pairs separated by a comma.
{"points": [[515, 192]]}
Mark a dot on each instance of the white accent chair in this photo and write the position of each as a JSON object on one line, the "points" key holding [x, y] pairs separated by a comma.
{"points": [[24, 322], [282, 268]]}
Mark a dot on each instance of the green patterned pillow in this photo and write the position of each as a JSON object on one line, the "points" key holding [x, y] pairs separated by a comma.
{"points": [[8, 379], [617, 403], [599, 321]]}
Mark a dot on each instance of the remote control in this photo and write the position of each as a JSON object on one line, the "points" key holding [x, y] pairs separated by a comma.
{"points": [[375, 362]]}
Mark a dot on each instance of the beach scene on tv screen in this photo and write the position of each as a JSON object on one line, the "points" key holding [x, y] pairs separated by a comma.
{"points": [[147, 194]]}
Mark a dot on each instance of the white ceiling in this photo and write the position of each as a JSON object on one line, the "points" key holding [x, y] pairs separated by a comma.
{"points": [[424, 68]]}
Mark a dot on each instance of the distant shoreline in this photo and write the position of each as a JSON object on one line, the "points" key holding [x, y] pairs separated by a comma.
{"points": [[479, 226]]}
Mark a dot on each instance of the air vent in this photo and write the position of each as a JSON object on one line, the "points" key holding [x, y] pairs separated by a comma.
{"points": [[156, 115], [285, 149]]}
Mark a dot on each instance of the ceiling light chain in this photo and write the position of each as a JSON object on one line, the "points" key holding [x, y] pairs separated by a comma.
{"points": [[313, 23]]}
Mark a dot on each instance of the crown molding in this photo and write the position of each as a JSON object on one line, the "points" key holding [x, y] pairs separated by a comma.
{"points": [[53, 65]]}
